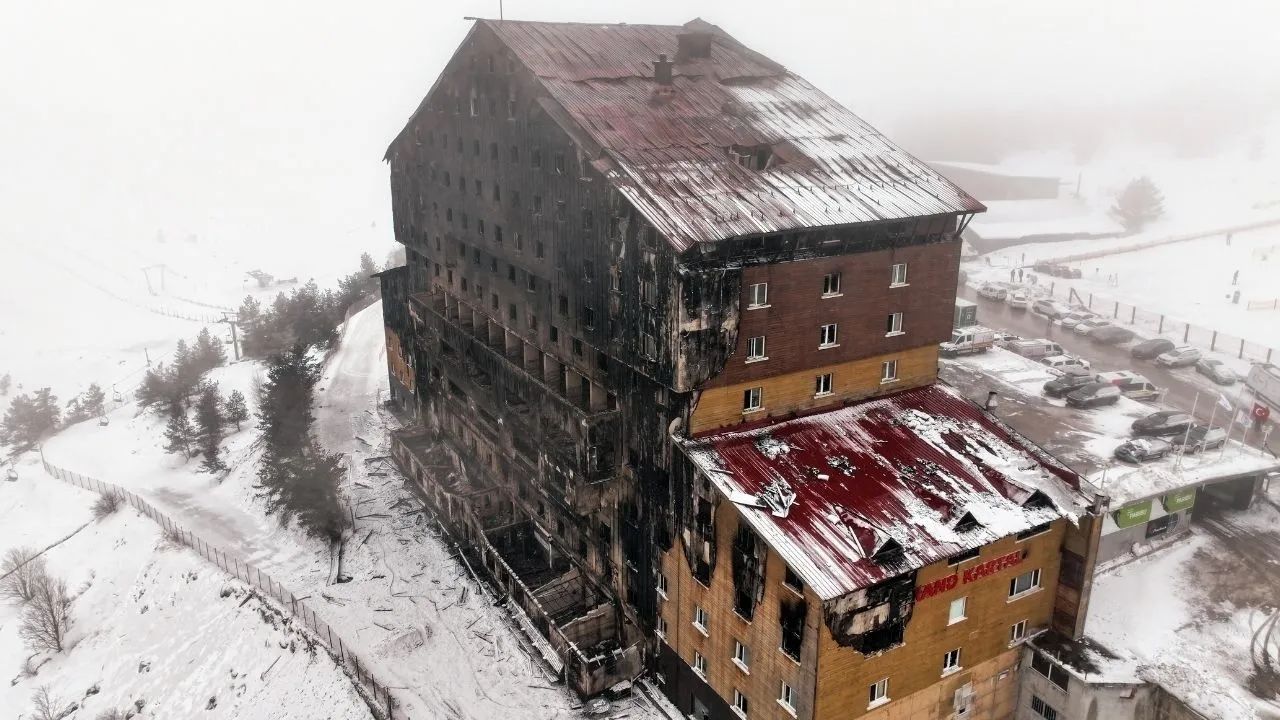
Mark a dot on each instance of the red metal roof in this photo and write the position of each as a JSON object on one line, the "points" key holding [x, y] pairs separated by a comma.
{"points": [[666, 148], [907, 467]]}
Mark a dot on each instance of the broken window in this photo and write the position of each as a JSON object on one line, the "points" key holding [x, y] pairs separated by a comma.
{"points": [[537, 203], [554, 333], [831, 284], [497, 192], [564, 305], [497, 234], [791, 620], [648, 345], [535, 158], [822, 385], [748, 573], [752, 157], [828, 336], [893, 324], [792, 580], [758, 295], [1024, 583], [577, 347], [888, 371], [588, 317], [899, 275], [559, 161], [752, 399]]}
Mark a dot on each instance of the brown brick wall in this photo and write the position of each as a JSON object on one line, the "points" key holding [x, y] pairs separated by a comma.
{"points": [[794, 392], [917, 688], [792, 321]]}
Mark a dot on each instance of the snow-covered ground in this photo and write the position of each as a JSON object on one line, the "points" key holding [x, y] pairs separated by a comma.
{"points": [[1188, 281], [411, 612], [1187, 617], [153, 625]]}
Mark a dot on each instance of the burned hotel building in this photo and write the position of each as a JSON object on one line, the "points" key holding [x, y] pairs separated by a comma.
{"points": [[666, 340]]}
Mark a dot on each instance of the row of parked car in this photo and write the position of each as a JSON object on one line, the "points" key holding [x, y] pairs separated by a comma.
{"points": [[1169, 354], [1169, 431]]}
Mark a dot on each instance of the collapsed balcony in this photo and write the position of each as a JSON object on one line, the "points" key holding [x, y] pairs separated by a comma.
{"points": [[570, 620]]}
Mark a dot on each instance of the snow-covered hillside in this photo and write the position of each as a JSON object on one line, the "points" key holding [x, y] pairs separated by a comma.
{"points": [[154, 627]]}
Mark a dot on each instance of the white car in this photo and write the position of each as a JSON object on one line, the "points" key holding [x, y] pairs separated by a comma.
{"points": [[1181, 356], [1084, 327], [1059, 364], [1018, 299], [1074, 318]]}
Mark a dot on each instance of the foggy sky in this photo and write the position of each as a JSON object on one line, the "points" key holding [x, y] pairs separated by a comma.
{"points": [[265, 122]]}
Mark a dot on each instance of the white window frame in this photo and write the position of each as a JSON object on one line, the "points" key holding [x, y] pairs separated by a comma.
{"points": [[742, 656], [894, 279], [878, 693], [830, 336], [661, 628], [662, 586], [752, 400], [700, 620], [952, 618], [894, 324], [787, 698], [756, 351], [831, 285], [758, 296], [700, 664], [1034, 587], [888, 372], [822, 385], [740, 703], [951, 662], [1018, 632]]}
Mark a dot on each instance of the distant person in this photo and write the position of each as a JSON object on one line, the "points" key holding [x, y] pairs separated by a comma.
{"points": [[1012, 272], [1019, 274], [1235, 278], [1228, 239]]}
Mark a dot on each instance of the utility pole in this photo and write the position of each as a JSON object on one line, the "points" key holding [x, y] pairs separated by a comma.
{"points": [[233, 319]]}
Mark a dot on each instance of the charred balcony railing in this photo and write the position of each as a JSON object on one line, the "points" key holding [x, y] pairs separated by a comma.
{"points": [[578, 431]]}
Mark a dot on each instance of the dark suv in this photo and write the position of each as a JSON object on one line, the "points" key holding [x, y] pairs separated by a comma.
{"points": [[1093, 395], [1163, 423], [1072, 378]]}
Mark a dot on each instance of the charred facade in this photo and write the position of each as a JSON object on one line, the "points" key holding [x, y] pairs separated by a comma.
{"points": [[626, 244]]}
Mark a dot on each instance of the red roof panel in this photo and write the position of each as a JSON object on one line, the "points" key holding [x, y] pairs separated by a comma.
{"points": [[667, 147], [907, 468]]}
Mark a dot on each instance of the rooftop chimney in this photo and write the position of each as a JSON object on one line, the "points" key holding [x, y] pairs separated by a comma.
{"points": [[662, 70]]}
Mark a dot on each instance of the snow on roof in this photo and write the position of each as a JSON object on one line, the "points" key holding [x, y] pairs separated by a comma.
{"points": [[1015, 219], [668, 147], [905, 468], [1127, 483], [989, 168]]}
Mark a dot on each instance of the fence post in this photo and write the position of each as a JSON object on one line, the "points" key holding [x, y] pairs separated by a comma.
{"points": [[1186, 331], [1133, 314], [1090, 301], [1268, 355], [1241, 355], [1213, 341], [1161, 325], [1115, 311]]}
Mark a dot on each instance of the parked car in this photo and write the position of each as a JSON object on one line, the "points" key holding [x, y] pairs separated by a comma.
{"points": [[1111, 335], [1035, 349], [1263, 380], [1163, 423], [1005, 339], [1181, 356], [1130, 384], [992, 291], [1141, 450], [1074, 318], [1217, 371], [1070, 379], [1050, 308], [1057, 364], [1093, 395], [1018, 300], [1149, 349], [1086, 327], [1203, 437]]}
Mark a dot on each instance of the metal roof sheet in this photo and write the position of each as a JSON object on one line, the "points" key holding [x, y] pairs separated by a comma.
{"points": [[667, 146], [907, 468]]}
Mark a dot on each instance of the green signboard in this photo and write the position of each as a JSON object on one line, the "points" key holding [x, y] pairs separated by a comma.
{"points": [[1133, 514], [1179, 500]]}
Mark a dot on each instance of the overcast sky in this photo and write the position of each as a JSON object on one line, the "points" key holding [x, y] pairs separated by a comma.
{"points": [[265, 121]]}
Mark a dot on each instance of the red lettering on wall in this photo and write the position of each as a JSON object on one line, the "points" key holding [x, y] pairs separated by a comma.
{"points": [[977, 572]]}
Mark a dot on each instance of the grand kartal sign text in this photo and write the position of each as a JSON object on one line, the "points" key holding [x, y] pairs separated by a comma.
{"points": [[977, 572]]}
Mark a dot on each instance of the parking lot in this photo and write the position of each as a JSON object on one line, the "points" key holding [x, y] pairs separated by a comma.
{"points": [[1180, 385]]}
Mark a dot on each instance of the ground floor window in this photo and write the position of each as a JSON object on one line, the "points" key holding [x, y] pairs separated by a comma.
{"points": [[1161, 525]]}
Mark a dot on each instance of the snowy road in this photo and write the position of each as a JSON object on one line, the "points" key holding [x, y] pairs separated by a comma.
{"points": [[352, 379]]}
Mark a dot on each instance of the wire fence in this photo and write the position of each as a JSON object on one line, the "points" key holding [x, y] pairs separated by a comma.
{"points": [[377, 693], [1164, 324]]}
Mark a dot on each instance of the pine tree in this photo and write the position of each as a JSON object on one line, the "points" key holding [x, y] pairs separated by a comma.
{"points": [[296, 478], [5, 382], [207, 353], [235, 410], [367, 267], [30, 418], [210, 425], [178, 434], [93, 401], [185, 372], [1139, 203]]}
